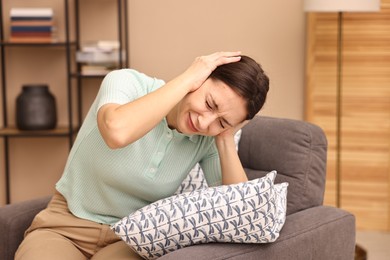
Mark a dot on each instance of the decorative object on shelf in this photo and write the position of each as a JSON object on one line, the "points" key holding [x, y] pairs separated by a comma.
{"points": [[36, 108], [31, 25], [100, 57], [90, 70]]}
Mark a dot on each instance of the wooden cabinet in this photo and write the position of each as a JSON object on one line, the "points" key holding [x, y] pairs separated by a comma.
{"points": [[365, 121]]}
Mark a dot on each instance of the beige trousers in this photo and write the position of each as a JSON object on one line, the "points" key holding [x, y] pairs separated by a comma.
{"points": [[55, 233]]}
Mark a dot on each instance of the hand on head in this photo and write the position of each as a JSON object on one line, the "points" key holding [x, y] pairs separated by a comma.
{"points": [[203, 66], [232, 130]]}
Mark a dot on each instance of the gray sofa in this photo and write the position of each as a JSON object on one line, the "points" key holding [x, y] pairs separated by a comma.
{"points": [[297, 150]]}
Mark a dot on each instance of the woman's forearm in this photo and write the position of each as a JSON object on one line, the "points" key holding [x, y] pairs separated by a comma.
{"points": [[232, 170], [121, 125]]}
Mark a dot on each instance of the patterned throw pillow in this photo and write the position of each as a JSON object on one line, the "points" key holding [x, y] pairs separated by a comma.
{"points": [[248, 212], [195, 179]]}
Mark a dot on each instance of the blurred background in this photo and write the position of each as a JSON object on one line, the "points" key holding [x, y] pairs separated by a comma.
{"points": [[297, 49]]}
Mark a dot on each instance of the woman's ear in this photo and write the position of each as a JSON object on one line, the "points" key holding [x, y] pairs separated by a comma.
{"points": [[201, 87]]}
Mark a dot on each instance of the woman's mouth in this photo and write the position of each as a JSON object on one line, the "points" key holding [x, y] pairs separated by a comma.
{"points": [[191, 126]]}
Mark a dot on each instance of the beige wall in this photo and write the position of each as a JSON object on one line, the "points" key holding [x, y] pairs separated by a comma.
{"points": [[165, 36]]}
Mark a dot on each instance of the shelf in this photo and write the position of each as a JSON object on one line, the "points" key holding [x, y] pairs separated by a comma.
{"points": [[79, 75], [37, 44], [14, 132], [67, 46]]}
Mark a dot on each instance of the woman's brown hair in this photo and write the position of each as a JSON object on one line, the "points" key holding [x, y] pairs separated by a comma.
{"points": [[248, 79]]}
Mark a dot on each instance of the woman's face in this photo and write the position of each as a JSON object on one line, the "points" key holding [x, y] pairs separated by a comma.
{"points": [[210, 110]]}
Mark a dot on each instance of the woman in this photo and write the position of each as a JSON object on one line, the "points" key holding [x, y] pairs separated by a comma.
{"points": [[139, 140]]}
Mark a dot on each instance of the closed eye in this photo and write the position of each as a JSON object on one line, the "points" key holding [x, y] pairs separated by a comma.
{"points": [[211, 108], [208, 105], [220, 122]]}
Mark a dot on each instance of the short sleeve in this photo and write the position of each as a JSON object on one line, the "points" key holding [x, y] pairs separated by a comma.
{"points": [[125, 85]]}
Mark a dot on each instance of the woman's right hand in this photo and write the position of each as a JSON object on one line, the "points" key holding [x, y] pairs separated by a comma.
{"points": [[203, 66]]}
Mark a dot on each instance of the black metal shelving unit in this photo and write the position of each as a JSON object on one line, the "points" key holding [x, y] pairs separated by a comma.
{"points": [[123, 38], [70, 47], [8, 131]]}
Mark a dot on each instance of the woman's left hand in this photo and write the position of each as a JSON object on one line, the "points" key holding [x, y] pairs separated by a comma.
{"points": [[229, 133], [232, 170]]}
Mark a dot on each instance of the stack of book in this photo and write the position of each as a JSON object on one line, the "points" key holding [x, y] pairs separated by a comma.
{"points": [[98, 58], [31, 25]]}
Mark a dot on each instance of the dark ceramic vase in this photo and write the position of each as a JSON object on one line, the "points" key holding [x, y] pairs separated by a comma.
{"points": [[36, 108]]}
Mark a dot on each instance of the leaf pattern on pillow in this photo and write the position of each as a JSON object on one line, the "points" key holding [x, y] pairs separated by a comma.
{"points": [[248, 212]]}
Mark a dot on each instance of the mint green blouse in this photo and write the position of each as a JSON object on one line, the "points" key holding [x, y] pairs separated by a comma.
{"points": [[104, 185]]}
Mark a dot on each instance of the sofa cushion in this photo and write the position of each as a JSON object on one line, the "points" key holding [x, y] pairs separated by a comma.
{"points": [[14, 220], [319, 233], [195, 179], [248, 212], [295, 149]]}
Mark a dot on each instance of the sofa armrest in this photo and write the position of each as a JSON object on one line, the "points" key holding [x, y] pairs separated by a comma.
{"points": [[297, 150], [316, 233], [14, 220]]}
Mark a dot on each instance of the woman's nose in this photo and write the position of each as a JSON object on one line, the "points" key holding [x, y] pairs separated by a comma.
{"points": [[206, 119]]}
